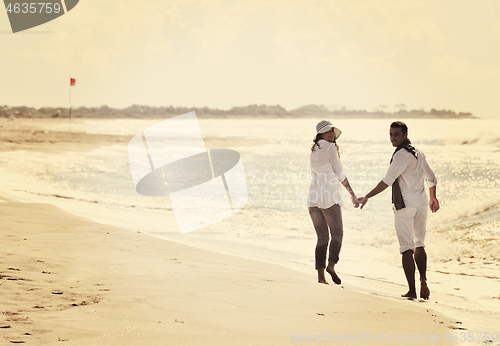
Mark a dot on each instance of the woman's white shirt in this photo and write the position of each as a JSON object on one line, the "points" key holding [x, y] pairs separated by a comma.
{"points": [[326, 176]]}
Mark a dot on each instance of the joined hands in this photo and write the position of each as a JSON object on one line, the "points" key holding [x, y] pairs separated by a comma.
{"points": [[359, 202]]}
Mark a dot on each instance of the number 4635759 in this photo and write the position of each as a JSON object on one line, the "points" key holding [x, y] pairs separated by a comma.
{"points": [[471, 337], [34, 7]]}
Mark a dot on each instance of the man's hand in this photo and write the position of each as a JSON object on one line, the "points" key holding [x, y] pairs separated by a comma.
{"points": [[362, 201], [434, 204], [433, 201]]}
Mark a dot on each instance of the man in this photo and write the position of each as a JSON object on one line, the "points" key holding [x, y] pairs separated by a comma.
{"points": [[407, 173]]}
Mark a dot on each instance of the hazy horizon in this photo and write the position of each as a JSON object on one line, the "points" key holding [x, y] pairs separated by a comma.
{"points": [[258, 110]]}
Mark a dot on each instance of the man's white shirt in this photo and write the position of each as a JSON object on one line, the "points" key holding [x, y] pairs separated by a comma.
{"points": [[413, 174]]}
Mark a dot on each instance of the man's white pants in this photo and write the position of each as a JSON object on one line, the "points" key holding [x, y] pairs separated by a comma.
{"points": [[410, 225]]}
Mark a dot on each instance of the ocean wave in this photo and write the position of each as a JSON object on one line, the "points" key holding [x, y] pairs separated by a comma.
{"points": [[465, 236], [466, 211], [482, 141], [487, 139], [470, 247]]}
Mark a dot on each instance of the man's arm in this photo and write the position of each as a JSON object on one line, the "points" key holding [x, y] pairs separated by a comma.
{"points": [[430, 182], [400, 161], [433, 201], [381, 186]]}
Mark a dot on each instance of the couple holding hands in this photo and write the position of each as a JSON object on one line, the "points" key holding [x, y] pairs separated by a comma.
{"points": [[408, 172]]}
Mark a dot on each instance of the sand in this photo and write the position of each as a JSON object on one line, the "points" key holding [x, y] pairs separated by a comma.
{"points": [[67, 279]]}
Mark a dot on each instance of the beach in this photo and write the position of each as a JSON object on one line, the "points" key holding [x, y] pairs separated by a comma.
{"points": [[68, 279], [67, 274]]}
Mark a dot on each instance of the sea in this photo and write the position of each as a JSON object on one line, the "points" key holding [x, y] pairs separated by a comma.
{"points": [[463, 237]]}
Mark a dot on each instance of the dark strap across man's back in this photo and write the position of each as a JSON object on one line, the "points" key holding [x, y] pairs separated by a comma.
{"points": [[397, 195]]}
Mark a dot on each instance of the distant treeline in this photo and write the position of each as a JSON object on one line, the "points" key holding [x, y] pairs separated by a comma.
{"points": [[137, 111]]}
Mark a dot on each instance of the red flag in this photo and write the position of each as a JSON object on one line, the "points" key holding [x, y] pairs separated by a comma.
{"points": [[72, 81]]}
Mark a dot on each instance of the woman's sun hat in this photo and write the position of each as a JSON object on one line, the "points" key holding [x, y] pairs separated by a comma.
{"points": [[325, 126]]}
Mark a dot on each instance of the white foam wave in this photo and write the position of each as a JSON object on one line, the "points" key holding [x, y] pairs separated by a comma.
{"points": [[466, 209]]}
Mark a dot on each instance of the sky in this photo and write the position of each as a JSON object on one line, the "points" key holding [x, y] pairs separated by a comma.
{"points": [[363, 54]]}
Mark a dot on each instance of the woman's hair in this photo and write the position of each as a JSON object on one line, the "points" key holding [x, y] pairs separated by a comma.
{"points": [[318, 137]]}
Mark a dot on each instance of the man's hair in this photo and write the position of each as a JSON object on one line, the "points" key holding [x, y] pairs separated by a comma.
{"points": [[400, 125]]}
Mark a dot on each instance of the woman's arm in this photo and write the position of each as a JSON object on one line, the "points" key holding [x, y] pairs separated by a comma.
{"points": [[333, 156], [351, 192]]}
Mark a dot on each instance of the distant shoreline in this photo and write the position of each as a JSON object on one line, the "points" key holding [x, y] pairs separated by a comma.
{"points": [[145, 112]]}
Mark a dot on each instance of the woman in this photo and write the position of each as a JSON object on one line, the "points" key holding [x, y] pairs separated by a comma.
{"points": [[325, 198]]}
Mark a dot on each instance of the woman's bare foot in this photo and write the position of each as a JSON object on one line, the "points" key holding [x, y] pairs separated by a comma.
{"points": [[322, 281], [321, 276], [334, 276]]}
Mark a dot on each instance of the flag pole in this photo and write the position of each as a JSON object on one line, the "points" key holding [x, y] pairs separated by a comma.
{"points": [[70, 82]]}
